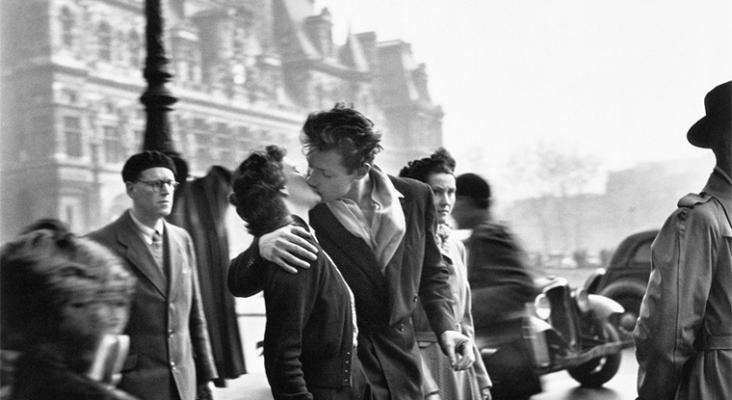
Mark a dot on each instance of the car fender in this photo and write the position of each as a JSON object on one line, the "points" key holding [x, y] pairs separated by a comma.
{"points": [[624, 288], [594, 280], [603, 307], [537, 324]]}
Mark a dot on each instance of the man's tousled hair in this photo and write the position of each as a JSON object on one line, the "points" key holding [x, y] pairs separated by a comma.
{"points": [[345, 130]]}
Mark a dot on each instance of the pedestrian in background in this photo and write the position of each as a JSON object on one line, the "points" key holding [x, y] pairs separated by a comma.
{"points": [[438, 171], [501, 284], [170, 354], [309, 340], [684, 333], [64, 301]]}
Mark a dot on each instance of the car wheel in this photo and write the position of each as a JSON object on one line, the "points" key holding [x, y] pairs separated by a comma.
{"points": [[627, 321], [629, 295], [596, 372]]}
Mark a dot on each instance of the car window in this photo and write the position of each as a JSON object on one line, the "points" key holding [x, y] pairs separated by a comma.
{"points": [[643, 253]]}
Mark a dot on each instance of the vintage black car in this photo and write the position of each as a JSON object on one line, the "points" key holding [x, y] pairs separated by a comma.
{"points": [[625, 278], [563, 329]]}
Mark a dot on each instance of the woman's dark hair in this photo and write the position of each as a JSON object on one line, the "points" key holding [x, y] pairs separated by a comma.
{"points": [[257, 191], [46, 269], [345, 130], [440, 162]]}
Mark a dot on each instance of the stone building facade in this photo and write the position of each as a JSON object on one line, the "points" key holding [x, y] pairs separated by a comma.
{"points": [[246, 73]]}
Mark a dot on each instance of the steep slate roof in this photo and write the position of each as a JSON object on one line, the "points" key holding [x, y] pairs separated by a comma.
{"points": [[352, 54], [290, 15]]}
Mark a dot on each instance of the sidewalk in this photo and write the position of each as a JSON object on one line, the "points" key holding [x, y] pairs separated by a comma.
{"points": [[252, 386]]}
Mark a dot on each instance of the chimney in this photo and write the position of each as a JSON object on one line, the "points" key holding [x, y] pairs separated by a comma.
{"points": [[319, 29]]}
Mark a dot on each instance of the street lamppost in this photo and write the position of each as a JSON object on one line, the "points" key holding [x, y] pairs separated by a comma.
{"points": [[157, 98]]}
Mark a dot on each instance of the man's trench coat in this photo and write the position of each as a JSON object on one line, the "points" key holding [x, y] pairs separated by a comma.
{"points": [[684, 332]]}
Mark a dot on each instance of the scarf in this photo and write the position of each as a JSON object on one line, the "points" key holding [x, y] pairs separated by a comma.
{"points": [[386, 230]]}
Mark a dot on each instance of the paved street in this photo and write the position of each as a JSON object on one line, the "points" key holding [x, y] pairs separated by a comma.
{"points": [[247, 387], [557, 386], [560, 386]]}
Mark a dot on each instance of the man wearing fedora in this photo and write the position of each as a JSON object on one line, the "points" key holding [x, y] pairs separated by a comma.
{"points": [[170, 353], [684, 333]]}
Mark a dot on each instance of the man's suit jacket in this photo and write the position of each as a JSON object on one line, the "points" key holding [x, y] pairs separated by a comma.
{"points": [[169, 344]]}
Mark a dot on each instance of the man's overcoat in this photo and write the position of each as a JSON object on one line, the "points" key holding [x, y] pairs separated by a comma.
{"points": [[385, 301], [684, 332]]}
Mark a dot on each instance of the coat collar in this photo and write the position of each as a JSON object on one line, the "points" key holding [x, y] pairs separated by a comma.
{"points": [[138, 254], [720, 189]]}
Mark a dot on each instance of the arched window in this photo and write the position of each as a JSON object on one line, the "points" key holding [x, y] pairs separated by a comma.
{"points": [[135, 50], [67, 27], [105, 42]]}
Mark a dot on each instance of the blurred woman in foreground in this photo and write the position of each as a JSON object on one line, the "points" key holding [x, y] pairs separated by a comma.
{"points": [[64, 301]]}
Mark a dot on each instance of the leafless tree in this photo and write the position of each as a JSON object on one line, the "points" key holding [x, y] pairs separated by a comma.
{"points": [[554, 175]]}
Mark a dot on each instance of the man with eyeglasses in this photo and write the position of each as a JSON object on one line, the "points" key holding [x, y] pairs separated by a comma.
{"points": [[170, 355]]}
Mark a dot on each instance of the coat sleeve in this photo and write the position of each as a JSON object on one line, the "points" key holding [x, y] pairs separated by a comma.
{"points": [[434, 289], [466, 322], [481, 374], [246, 272], [673, 308], [499, 280], [289, 300], [205, 365]]}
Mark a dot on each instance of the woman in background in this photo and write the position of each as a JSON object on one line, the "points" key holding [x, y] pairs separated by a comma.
{"points": [[438, 172]]}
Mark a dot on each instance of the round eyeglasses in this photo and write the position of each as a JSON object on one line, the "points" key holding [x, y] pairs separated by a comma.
{"points": [[158, 185]]}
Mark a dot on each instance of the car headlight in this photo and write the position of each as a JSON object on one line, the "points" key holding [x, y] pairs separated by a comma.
{"points": [[542, 306], [583, 299]]}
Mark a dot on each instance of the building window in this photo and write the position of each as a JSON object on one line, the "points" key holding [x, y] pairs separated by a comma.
{"points": [[240, 74], [113, 149], [70, 215], [204, 143], [184, 65], [135, 49], [239, 70], [120, 54], [243, 142], [189, 69], [225, 144], [67, 27], [72, 135], [105, 42]]}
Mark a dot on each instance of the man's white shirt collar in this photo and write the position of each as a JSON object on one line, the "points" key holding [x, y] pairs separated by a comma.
{"points": [[146, 231]]}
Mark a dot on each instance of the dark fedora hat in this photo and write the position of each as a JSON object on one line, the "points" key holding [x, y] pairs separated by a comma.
{"points": [[718, 118]]}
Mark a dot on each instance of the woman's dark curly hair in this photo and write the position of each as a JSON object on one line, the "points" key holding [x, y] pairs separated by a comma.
{"points": [[345, 130], [47, 270], [257, 191], [440, 162]]}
